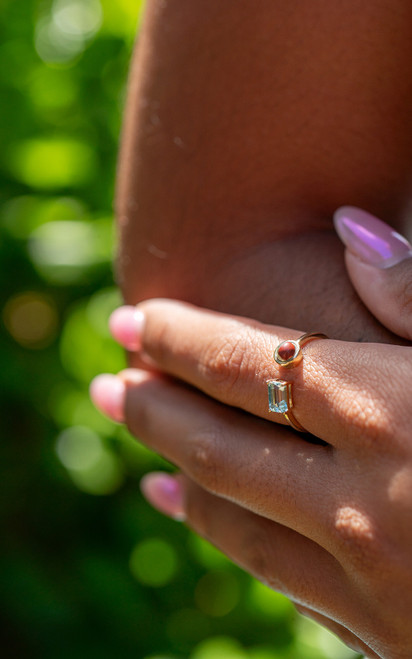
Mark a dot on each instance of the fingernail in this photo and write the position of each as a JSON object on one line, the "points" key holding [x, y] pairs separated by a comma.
{"points": [[126, 325], [372, 240], [108, 393], [164, 492]]}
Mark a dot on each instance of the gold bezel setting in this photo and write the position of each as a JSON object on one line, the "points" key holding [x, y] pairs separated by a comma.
{"points": [[290, 361], [280, 391]]}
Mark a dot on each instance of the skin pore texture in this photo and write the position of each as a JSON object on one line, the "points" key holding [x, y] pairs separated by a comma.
{"points": [[245, 128], [247, 125]]}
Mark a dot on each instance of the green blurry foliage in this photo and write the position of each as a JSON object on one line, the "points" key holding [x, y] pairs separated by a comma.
{"points": [[88, 568]]}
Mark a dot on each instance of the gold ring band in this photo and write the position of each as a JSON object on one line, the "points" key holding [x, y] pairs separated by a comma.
{"points": [[288, 354], [281, 402]]}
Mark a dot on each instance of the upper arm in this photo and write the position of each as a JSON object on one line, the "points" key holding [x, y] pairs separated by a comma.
{"points": [[248, 121]]}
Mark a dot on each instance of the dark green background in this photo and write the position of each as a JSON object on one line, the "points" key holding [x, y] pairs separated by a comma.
{"points": [[88, 568]]}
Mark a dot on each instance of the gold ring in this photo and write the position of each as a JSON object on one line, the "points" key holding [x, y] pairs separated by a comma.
{"points": [[288, 354]]}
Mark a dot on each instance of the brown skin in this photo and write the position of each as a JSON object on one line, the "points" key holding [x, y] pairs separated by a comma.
{"points": [[326, 524], [247, 124], [246, 127]]}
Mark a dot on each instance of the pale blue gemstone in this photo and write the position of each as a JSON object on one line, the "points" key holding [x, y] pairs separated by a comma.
{"points": [[277, 393], [281, 408]]}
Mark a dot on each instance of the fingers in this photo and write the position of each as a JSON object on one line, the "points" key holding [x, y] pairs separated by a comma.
{"points": [[379, 264], [279, 557], [265, 468], [337, 388]]}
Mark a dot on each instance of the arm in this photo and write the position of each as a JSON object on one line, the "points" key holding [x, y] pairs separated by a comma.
{"points": [[247, 124]]}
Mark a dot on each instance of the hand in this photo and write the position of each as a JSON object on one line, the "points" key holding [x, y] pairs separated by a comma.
{"points": [[325, 524]]}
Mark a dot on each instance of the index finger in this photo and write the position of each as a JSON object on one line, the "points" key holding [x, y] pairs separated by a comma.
{"points": [[335, 390]]}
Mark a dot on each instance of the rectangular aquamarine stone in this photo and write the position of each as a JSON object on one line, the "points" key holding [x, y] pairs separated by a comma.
{"points": [[278, 392]]}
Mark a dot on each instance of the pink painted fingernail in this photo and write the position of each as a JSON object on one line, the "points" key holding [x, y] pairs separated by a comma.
{"points": [[126, 325], [372, 240], [164, 492], [108, 393]]}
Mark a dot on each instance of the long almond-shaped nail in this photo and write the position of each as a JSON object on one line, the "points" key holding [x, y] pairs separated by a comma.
{"points": [[108, 393], [164, 492], [372, 240], [126, 325]]}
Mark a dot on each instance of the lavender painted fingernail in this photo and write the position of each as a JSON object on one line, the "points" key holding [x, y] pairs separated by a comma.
{"points": [[372, 240], [164, 492]]}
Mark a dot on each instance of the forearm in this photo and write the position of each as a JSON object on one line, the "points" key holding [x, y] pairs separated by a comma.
{"points": [[247, 124]]}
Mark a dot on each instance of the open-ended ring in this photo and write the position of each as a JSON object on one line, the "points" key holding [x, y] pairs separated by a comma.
{"points": [[288, 354]]}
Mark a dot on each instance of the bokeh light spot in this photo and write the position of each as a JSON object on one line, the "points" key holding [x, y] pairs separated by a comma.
{"points": [[53, 46], [93, 468], [217, 593], [154, 562], [100, 307], [122, 18], [71, 406], [51, 89], [267, 601], [219, 647], [79, 448], [84, 352], [64, 252], [48, 163], [63, 34], [21, 215], [81, 18], [316, 642], [31, 319]]}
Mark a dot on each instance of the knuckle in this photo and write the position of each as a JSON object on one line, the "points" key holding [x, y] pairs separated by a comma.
{"points": [[200, 510], [258, 555], [139, 418], [362, 547], [226, 361], [206, 460], [197, 508], [162, 340]]}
